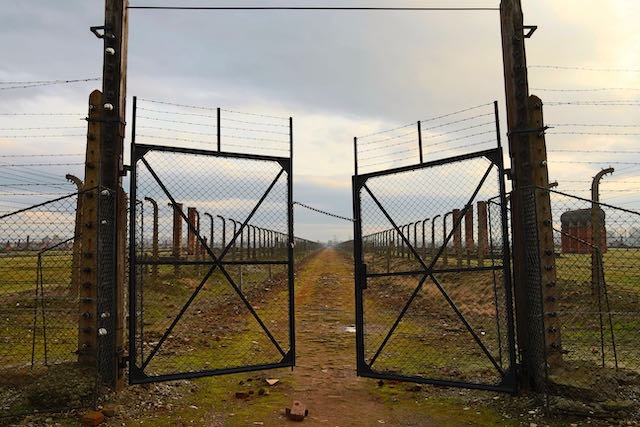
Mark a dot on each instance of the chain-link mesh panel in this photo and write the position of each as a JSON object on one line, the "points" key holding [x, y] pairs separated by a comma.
{"points": [[106, 292], [598, 260], [435, 305], [212, 288], [536, 350], [39, 311]]}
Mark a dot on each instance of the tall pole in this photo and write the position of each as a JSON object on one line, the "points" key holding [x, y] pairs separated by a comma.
{"points": [[211, 245], [101, 337], [77, 242], [597, 227], [155, 237], [535, 290]]}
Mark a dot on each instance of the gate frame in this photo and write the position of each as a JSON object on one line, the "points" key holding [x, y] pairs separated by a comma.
{"points": [[136, 373], [509, 377]]}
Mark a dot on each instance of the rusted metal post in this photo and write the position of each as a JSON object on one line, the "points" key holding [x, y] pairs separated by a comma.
{"points": [[234, 239], [223, 239], [415, 238], [433, 234], [424, 241], [211, 242], [255, 242], [597, 229], [483, 235], [457, 236], [445, 250], [176, 251], [154, 243], [469, 244], [77, 241], [191, 231]]}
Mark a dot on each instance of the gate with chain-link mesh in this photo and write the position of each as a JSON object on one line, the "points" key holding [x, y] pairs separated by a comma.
{"points": [[433, 291], [211, 262]]}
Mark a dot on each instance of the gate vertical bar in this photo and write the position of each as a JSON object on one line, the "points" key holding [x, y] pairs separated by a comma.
{"points": [[359, 274], [290, 245], [218, 130], [506, 254], [133, 269], [355, 155], [420, 141]]}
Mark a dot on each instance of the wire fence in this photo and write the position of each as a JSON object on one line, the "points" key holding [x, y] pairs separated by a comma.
{"points": [[430, 267], [598, 272], [208, 128], [39, 309], [212, 248], [38, 150], [434, 138]]}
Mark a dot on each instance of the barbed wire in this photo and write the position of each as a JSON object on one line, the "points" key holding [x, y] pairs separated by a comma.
{"points": [[196, 107], [182, 122], [43, 114], [177, 113], [39, 83], [32, 184], [599, 89], [610, 103], [40, 164], [554, 132], [594, 163], [323, 212], [190, 132], [594, 151], [40, 155], [40, 136], [575, 67], [593, 125]]}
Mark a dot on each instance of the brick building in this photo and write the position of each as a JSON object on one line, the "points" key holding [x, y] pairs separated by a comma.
{"points": [[576, 231]]}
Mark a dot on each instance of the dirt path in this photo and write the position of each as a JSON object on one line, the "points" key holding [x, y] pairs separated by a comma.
{"points": [[325, 377]]}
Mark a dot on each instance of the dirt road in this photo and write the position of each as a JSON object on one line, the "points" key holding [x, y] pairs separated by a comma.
{"points": [[325, 380], [325, 376]]}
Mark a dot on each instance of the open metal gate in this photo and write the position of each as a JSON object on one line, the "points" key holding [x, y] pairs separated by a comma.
{"points": [[211, 262], [433, 303]]}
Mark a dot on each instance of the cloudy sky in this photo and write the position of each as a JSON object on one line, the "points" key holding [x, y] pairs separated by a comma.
{"points": [[338, 74]]}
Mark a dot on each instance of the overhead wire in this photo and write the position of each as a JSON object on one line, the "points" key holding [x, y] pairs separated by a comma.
{"points": [[328, 8], [40, 83]]}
